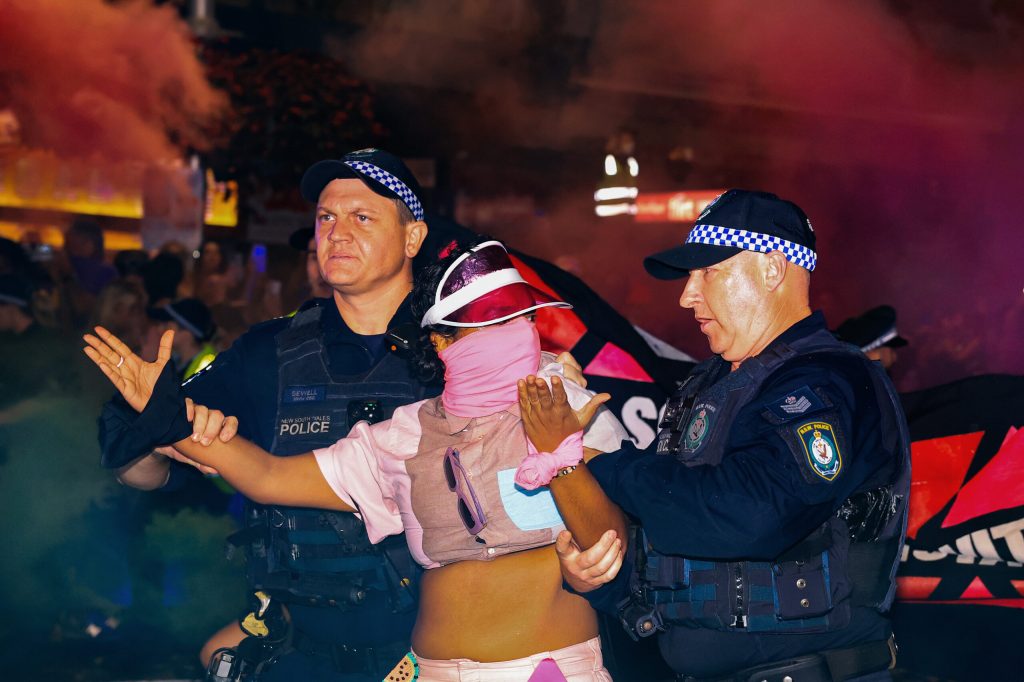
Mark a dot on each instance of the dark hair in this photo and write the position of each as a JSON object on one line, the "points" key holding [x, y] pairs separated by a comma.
{"points": [[425, 362], [161, 277], [130, 262], [91, 231]]}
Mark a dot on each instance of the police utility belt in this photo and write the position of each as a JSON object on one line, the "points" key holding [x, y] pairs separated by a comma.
{"points": [[828, 666], [370, 660]]}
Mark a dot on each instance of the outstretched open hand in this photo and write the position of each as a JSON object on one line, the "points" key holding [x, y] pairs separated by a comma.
{"points": [[133, 377], [547, 415]]}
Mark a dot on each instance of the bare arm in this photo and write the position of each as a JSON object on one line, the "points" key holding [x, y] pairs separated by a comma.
{"points": [[586, 510], [149, 472], [152, 471], [549, 419], [292, 481]]}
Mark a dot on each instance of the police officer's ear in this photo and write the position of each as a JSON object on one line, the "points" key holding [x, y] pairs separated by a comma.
{"points": [[773, 269], [415, 233]]}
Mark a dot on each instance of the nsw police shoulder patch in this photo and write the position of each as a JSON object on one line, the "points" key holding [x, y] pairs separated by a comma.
{"points": [[821, 448]]}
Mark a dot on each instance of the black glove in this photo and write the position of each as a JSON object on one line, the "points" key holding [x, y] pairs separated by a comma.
{"points": [[126, 435]]}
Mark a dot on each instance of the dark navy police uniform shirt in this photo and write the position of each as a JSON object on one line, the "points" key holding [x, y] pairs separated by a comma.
{"points": [[243, 382], [759, 501]]}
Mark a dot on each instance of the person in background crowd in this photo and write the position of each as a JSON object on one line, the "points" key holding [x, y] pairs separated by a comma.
{"points": [[15, 306], [193, 325], [211, 281], [83, 245], [33, 359], [162, 277], [122, 306], [16, 260], [231, 324], [82, 270], [130, 263], [260, 291], [46, 303], [874, 332], [211, 259], [178, 250], [773, 502], [304, 241]]}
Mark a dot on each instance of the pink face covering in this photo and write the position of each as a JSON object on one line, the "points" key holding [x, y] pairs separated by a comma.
{"points": [[481, 369]]}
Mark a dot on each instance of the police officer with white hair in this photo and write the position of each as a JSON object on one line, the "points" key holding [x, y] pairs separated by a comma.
{"points": [[772, 505]]}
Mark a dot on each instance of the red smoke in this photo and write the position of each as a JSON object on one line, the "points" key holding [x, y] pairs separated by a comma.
{"points": [[900, 134], [90, 78], [896, 125]]}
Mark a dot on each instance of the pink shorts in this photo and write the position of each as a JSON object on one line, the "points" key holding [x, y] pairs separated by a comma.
{"points": [[578, 663]]}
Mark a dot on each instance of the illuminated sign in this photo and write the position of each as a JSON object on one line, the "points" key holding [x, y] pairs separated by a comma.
{"points": [[35, 179], [40, 180], [673, 206], [53, 235], [221, 202]]}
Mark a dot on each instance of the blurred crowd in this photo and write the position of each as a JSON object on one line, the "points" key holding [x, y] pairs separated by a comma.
{"points": [[97, 564], [209, 296]]}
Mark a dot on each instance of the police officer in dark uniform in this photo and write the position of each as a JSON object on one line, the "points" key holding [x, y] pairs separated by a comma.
{"points": [[773, 503], [300, 383], [874, 332]]}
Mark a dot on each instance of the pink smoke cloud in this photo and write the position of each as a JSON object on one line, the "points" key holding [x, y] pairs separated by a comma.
{"points": [[899, 133], [97, 79]]}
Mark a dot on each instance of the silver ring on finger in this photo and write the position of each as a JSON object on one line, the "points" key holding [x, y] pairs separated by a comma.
{"points": [[120, 362]]}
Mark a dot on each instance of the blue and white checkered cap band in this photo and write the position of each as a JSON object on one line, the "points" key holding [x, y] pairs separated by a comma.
{"points": [[407, 196], [752, 241]]}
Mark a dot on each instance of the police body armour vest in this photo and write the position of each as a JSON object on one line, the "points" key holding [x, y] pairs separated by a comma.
{"points": [[317, 556], [850, 560]]}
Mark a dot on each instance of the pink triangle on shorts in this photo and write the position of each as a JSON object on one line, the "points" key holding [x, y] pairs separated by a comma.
{"points": [[547, 671]]}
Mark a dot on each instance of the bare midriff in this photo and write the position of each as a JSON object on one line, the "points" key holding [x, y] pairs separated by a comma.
{"points": [[508, 608]]}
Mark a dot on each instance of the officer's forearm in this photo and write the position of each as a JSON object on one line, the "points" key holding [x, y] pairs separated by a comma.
{"points": [[586, 510], [290, 481], [149, 472]]}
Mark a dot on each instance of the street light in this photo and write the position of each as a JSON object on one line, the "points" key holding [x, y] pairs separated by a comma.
{"points": [[617, 191]]}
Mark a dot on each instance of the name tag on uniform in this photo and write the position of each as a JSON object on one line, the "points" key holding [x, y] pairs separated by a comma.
{"points": [[528, 509], [304, 394]]}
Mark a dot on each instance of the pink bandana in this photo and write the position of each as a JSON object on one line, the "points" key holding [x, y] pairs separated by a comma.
{"points": [[539, 468], [482, 368]]}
